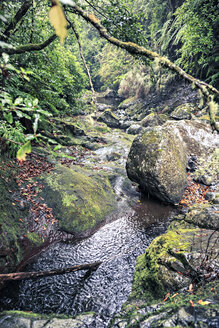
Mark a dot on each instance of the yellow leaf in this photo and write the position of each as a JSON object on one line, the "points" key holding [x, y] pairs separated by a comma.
{"points": [[58, 21], [25, 149], [203, 302]]}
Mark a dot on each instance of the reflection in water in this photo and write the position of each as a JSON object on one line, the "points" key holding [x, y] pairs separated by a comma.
{"points": [[104, 290]]}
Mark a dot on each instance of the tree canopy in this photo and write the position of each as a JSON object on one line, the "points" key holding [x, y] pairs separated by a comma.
{"points": [[45, 78]]}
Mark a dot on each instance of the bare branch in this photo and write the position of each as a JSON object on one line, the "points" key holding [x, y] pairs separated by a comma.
{"points": [[31, 275]]}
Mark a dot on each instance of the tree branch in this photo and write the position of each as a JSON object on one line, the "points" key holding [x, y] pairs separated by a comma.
{"points": [[31, 275], [20, 13], [83, 59], [134, 49], [29, 47]]}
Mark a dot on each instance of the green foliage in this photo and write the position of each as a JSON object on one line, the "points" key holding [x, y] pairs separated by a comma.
{"points": [[114, 64], [12, 136], [197, 23]]}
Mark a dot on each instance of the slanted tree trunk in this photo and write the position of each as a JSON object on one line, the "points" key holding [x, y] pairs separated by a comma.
{"points": [[84, 60]]}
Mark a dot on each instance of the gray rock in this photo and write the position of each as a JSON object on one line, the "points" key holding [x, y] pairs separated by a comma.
{"points": [[134, 129], [125, 124], [9, 321], [183, 112], [39, 323], [109, 118], [158, 157], [102, 107], [154, 120]]}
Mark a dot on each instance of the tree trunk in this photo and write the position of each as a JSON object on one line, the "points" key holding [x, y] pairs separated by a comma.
{"points": [[31, 275], [84, 61]]}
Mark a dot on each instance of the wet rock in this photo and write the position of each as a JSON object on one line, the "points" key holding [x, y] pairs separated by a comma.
{"points": [[158, 157], [183, 112], [80, 199], [125, 124], [109, 118], [203, 216], [102, 107], [208, 168], [134, 129], [154, 120], [22, 320], [192, 164], [171, 261], [158, 163]]}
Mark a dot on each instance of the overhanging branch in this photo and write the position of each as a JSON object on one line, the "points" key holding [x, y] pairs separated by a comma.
{"points": [[29, 47], [135, 49]]}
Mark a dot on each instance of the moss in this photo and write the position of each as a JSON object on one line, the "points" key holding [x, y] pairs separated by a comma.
{"points": [[151, 138], [151, 279], [34, 238], [103, 128], [135, 313], [127, 101], [32, 315], [80, 199]]}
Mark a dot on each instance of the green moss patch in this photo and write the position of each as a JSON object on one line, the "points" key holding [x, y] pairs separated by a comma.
{"points": [[80, 199]]}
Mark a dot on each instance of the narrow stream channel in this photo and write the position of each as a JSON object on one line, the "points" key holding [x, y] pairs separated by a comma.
{"points": [[117, 244], [105, 290]]}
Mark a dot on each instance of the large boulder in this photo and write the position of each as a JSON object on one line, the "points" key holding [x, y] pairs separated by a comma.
{"points": [[80, 199], [159, 156], [109, 118], [154, 120], [183, 112], [173, 260]]}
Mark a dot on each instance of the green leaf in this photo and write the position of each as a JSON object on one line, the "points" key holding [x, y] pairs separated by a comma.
{"points": [[35, 102], [8, 117], [57, 147], [5, 57], [44, 112], [26, 78], [22, 114], [18, 101], [11, 68], [23, 151]]}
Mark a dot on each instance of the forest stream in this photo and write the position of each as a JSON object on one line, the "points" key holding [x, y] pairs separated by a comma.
{"points": [[135, 224]]}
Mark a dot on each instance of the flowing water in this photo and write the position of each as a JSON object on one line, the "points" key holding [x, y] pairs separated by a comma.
{"points": [[117, 244], [104, 290]]}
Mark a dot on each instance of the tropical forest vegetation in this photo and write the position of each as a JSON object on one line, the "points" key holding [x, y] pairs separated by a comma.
{"points": [[109, 108]]}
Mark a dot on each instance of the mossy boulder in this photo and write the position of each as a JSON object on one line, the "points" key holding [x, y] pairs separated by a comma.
{"points": [[79, 198], [183, 112], [158, 163], [158, 157], [109, 118], [176, 311], [128, 102], [208, 169], [154, 120], [170, 263], [134, 129], [203, 216]]}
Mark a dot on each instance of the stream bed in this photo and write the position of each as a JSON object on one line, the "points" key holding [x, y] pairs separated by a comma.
{"points": [[118, 244], [105, 290]]}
